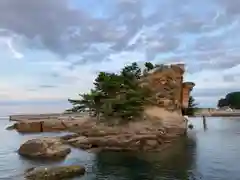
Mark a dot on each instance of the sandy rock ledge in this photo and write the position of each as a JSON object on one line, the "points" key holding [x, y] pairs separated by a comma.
{"points": [[137, 136]]}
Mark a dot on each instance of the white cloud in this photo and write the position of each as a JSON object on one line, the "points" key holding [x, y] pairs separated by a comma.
{"points": [[15, 53], [8, 42], [6, 110], [60, 55]]}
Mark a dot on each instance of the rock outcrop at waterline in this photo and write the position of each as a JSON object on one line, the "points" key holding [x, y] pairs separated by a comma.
{"points": [[162, 121], [146, 135], [169, 94], [54, 173], [44, 148]]}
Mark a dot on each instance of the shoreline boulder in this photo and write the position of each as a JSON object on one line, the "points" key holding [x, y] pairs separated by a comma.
{"points": [[47, 148], [54, 173]]}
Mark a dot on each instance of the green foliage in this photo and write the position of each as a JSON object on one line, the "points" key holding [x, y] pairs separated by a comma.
{"points": [[149, 66], [222, 103], [116, 96], [232, 100], [192, 106]]}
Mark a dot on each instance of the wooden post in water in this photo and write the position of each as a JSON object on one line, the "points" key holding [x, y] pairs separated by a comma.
{"points": [[204, 123]]}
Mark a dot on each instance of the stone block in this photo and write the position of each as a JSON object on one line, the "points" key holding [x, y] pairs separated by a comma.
{"points": [[29, 126]]}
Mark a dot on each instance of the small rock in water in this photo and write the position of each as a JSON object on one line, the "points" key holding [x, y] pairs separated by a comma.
{"points": [[54, 173], [47, 148]]}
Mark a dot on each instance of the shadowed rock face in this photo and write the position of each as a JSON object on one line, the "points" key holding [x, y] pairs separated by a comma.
{"points": [[168, 89], [187, 88], [169, 96]]}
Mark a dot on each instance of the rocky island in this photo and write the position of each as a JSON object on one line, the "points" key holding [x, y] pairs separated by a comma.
{"points": [[135, 110]]}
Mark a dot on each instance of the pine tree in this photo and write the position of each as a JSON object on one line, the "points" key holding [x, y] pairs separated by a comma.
{"points": [[192, 106], [115, 95]]}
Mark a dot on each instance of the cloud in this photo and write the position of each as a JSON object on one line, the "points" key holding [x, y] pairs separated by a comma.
{"points": [[16, 54], [26, 107], [7, 41], [65, 30], [232, 8], [47, 86], [211, 85], [61, 45], [76, 30], [60, 28]]}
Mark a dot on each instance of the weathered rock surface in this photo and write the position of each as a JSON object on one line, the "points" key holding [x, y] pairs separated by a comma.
{"points": [[169, 95], [31, 126], [54, 173], [162, 122], [47, 125], [145, 135], [165, 83], [47, 148]]}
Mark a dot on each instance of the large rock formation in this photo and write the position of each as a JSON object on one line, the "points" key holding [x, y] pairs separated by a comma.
{"points": [[162, 121], [166, 83]]}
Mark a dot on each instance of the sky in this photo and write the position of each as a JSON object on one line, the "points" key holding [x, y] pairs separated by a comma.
{"points": [[51, 50]]}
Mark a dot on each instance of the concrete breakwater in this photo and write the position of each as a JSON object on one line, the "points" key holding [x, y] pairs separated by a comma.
{"points": [[51, 116], [46, 123]]}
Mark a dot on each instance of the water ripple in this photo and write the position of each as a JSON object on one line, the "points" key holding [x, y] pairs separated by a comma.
{"points": [[213, 154]]}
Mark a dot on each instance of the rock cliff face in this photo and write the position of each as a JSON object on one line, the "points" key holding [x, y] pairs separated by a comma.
{"points": [[170, 94], [168, 88]]}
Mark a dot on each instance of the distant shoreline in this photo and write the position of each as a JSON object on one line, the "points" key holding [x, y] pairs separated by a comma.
{"points": [[51, 116], [219, 113]]}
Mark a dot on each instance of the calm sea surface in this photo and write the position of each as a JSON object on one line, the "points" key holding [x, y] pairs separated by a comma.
{"points": [[210, 154]]}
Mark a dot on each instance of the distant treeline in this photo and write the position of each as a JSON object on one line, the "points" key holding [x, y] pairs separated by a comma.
{"points": [[231, 100]]}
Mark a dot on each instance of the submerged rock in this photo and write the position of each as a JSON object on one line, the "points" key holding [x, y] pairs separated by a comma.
{"points": [[48, 148], [54, 173]]}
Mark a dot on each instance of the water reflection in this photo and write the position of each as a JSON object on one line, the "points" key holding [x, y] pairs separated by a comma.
{"points": [[207, 155], [173, 164], [204, 123]]}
